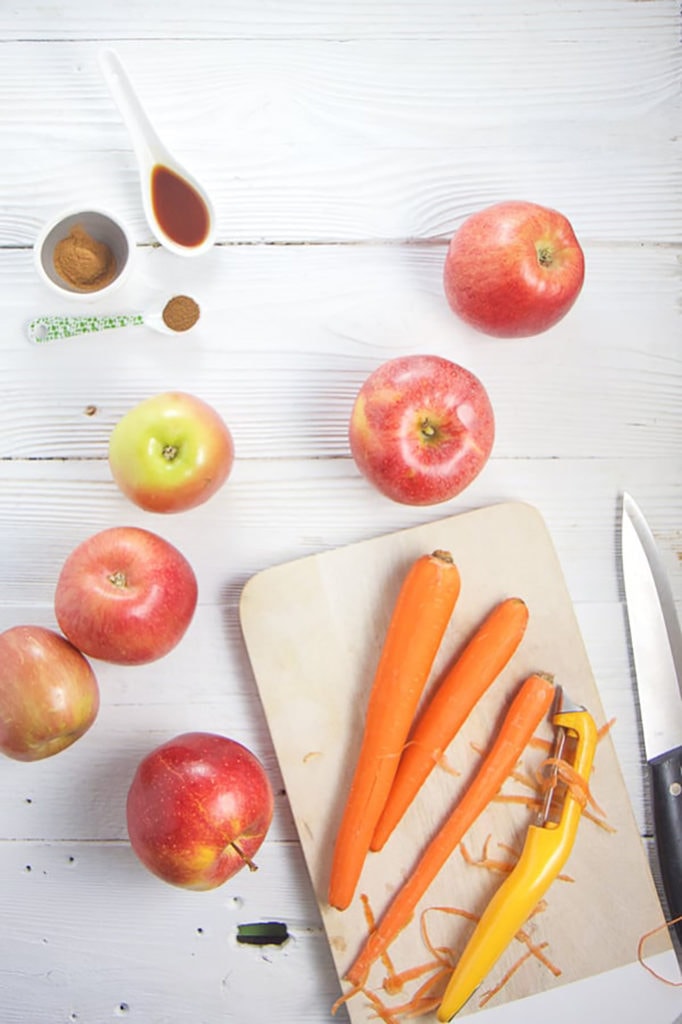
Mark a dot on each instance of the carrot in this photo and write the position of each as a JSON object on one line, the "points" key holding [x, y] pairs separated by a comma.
{"points": [[421, 614], [527, 710], [481, 661]]}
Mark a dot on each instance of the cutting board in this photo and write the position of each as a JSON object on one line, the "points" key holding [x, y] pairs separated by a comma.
{"points": [[314, 629]]}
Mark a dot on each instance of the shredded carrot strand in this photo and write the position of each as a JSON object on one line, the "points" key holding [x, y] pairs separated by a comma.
{"points": [[533, 803], [382, 1011], [455, 912], [510, 849], [599, 821], [445, 956], [577, 785], [601, 733], [524, 779], [439, 970], [538, 743], [640, 951], [539, 908], [394, 983], [537, 951], [345, 997], [371, 925], [424, 1006], [566, 774], [488, 995], [367, 909], [445, 766], [503, 866], [408, 1009], [486, 861]]}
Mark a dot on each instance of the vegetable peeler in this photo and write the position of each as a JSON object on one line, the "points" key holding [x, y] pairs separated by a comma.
{"points": [[548, 844]]}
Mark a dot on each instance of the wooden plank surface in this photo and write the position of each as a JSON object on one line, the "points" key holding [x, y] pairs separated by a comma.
{"points": [[342, 144]]}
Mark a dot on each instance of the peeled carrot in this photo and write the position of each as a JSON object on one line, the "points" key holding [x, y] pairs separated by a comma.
{"points": [[479, 664], [529, 707], [422, 611]]}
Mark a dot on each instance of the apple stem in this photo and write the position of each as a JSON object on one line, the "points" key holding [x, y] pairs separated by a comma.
{"points": [[545, 256], [247, 860], [428, 429]]}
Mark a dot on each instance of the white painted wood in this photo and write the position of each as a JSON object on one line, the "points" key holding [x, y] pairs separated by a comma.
{"points": [[288, 334], [343, 144], [493, 21]]}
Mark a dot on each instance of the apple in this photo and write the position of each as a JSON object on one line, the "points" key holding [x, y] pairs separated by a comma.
{"points": [[198, 809], [125, 595], [171, 452], [49, 695], [513, 269], [421, 429]]}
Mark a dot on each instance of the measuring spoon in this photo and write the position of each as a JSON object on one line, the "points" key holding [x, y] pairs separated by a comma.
{"points": [[176, 206], [52, 328]]}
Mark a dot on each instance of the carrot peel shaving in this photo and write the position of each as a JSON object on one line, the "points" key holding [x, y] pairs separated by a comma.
{"points": [[640, 951]]}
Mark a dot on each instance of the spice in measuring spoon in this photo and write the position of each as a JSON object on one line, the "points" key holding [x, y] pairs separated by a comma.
{"points": [[179, 314], [179, 209]]}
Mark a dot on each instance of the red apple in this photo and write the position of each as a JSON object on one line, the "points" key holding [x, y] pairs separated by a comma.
{"points": [[514, 269], [421, 429], [49, 694], [125, 595], [171, 452], [198, 809]]}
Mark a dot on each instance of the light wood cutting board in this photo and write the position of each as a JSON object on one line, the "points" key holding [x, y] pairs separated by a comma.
{"points": [[314, 629]]}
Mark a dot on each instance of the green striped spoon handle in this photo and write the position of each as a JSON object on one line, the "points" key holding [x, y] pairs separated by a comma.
{"points": [[50, 328]]}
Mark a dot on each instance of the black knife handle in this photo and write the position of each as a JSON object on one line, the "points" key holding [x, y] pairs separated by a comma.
{"points": [[666, 787]]}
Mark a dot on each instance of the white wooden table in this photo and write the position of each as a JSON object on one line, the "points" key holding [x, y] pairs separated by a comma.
{"points": [[342, 143]]}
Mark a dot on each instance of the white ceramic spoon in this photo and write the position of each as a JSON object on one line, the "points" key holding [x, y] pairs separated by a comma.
{"points": [[52, 328], [153, 158]]}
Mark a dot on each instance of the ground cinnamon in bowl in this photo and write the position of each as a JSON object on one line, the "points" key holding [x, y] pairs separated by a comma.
{"points": [[83, 262], [180, 313]]}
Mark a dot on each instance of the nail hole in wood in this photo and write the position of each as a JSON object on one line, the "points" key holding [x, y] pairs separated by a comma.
{"points": [[262, 933]]}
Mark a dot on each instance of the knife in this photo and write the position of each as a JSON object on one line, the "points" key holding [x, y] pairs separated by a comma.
{"points": [[657, 653]]}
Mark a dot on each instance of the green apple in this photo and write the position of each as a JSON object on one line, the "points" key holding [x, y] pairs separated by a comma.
{"points": [[171, 452]]}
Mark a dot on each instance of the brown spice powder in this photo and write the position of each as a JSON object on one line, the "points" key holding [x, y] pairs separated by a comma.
{"points": [[83, 262], [180, 313]]}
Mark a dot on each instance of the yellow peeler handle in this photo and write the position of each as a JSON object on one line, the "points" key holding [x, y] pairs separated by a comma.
{"points": [[544, 853]]}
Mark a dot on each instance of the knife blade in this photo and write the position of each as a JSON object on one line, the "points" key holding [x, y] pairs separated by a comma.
{"points": [[657, 653]]}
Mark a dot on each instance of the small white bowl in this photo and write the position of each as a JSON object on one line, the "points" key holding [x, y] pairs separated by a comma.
{"points": [[101, 226]]}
